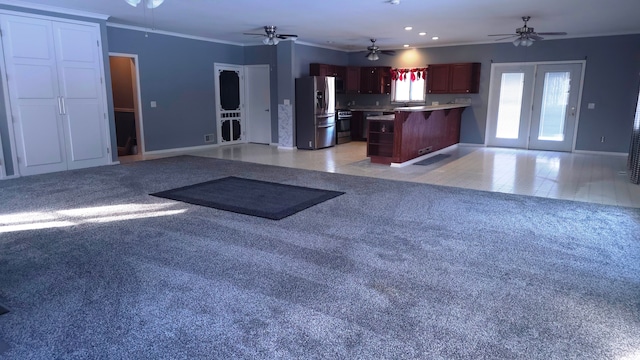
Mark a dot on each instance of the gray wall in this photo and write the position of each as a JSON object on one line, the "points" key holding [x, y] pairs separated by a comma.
{"points": [[611, 82], [4, 129], [178, 74], [306, 55]]}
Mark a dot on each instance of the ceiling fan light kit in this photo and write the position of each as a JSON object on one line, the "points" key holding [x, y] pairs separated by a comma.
{"points": [[525, 35], [524, 41], [374, 50], [151, 4], [270, 41], [271, 37]]}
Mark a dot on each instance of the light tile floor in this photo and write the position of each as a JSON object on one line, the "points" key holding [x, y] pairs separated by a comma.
{"points": [[572, 176]]}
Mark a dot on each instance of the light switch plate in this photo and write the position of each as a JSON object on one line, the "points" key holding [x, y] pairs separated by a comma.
{"points": [[591, 106], [153, 104]]}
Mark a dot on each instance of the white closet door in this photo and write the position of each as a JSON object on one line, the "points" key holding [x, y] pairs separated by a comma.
{"points": [[33, 91], [79, 72]]}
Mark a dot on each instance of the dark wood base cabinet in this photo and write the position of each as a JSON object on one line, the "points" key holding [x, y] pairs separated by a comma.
{"points": [[412, 134]]}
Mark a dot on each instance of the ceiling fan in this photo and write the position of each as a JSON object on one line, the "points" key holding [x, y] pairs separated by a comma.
{"points": [[526, 35], [374, 50], [271, 37]]}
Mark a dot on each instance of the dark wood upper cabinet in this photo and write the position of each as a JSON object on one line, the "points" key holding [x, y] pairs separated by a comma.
{"points": [[316, 69], [375, 80], [352, 80], [462, 78]]}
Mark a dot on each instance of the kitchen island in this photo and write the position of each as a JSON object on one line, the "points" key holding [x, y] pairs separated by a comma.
{"points": [[412, 132]]}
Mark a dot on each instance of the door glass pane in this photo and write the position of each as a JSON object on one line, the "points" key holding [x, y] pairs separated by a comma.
{"points": [[555, 98], [229, 90], [510, 105]]}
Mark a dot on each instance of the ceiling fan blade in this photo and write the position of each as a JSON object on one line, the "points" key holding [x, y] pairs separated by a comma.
{"points": [[387, 52], [369, 53], [535, 37], [508, 37], [253, 34], [286, 36], [552, 33], [502, 35]]}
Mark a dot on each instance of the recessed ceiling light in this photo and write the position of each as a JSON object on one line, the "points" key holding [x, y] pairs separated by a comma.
{"points": [[408, 28], [422, 33], [406, 45], [394, 2], [435, 38]]}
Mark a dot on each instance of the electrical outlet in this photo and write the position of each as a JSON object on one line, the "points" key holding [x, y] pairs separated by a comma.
{"points": [[591, 106], [602, 139], [153, 104]]}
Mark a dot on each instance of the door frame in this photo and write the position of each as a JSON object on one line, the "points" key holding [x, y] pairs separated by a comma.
{"points": [[493, 94], [7, 99], [248, 120], [137, 99]]}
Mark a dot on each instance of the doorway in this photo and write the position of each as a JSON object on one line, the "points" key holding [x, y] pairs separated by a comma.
{"points": [[126, 103], [534, 105]]}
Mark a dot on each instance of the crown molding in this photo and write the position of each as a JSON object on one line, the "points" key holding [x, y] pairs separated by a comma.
{"points": [[169, 33]]}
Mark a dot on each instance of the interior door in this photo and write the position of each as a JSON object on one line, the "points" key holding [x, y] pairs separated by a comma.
{"points": [[258, 104], [35, 101], [533, 106], [84, 117], [229, 83], [555, 104]]}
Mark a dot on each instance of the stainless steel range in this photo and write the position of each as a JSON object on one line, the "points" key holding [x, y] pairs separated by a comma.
{"points": [[343, 126]]}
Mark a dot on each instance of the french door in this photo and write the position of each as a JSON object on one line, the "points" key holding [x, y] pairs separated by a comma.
{"points": [[534, 106]]}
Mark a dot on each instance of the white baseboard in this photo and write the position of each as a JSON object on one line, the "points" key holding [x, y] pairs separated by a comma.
{"points": [[589, 152], [286, 147]]}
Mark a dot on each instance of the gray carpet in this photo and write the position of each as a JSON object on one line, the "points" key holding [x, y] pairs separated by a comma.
{"points": [[390, 270]]}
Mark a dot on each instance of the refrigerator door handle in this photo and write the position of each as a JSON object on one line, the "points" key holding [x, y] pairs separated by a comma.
{"points": [[325, 126]]}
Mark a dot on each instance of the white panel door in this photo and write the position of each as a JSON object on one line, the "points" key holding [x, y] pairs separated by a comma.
{"points": [[258, 104], [56, 93], [33, 91], [78, 59]]}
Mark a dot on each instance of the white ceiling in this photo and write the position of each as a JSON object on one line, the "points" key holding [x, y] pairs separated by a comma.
{"points": [[348, 24]]}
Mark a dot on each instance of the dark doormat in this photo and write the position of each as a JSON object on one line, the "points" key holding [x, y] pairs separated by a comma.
{"points": [[250, 197], [432, 160], [3, 310]]}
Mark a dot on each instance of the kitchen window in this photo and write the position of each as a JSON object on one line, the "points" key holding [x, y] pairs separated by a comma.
{"points": [[408, 85]]}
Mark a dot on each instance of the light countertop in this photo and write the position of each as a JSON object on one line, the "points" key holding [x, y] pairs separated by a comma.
{"points": [[407, 108], [431, 107]]}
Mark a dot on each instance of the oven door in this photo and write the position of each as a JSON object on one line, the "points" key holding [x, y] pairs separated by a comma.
{"points": [[344, 124]]}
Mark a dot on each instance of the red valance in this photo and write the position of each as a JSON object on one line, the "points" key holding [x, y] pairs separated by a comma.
{"points": [[414, 74]]}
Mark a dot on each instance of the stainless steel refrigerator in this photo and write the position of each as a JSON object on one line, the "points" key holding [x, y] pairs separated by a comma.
{"points": [[315, 112]]}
